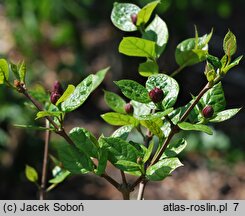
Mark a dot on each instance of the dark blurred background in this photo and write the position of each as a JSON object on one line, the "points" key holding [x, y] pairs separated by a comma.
{"points": [[67, 40]]}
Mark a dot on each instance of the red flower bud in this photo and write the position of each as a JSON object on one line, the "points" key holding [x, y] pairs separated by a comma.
{"points": [[156, 95], [208, 111], [134, 18], [57, 87], [129, 108], [54, 97]]}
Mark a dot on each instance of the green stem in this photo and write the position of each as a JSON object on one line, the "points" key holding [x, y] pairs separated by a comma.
{"points": [[177, 71]]}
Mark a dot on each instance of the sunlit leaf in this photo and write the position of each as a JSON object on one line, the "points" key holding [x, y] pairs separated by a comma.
{"points": [[31, 174], [225, 115], [70, 89], [134, 46], [196, 127], [121, 16], [162, 169], [114, 101], [119, 119], [174, 148], [4, 71], [168, 85], [157, 31], [229, 44], [145, 13], [83, 90], [133, 90]]}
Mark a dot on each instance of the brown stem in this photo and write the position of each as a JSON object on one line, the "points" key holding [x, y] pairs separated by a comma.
{"points": [[138, 180], [125, 189], [202, 92], [58, 130], [111, 180], [45, 163], [123, 177], [40, 108]]}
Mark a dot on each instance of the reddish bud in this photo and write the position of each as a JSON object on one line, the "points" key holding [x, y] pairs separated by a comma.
{"points": [[134, 18], [156, 95], [129, 108], [57, 87], [17, 83], [208, 111], [54, 97]]}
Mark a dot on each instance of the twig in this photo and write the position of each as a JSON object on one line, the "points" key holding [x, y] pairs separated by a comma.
{"points": [[177, 71], [59, 130], [123, 177], [111, 180], [45, 163], [175, 129], [141, 189]]}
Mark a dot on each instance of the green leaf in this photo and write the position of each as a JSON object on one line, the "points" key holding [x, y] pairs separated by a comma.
{"points": [[148, 68], [224, 61], [153, 127], [162, 169], [148, 152], [134, 46], [214, 61], [231, 65], [214, 97], [145, 13], [155, 115], [118, 149], [196, 127], [84, 141], [31, 174], [99, 77], [119, 119], [114, 101], [74, 160], [133, 90], [70, 89], [4, 71], [60, 176], [168, 85], [225, 115], [142, 108], [121, 16], [33, 127], [192, 51], [128, 166], [102, 161], [123, 132], [83, 90], [42, 114], [174, 148], [157, 31], [14, 69], [210, 72], [22, 71], [229, 44]]}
